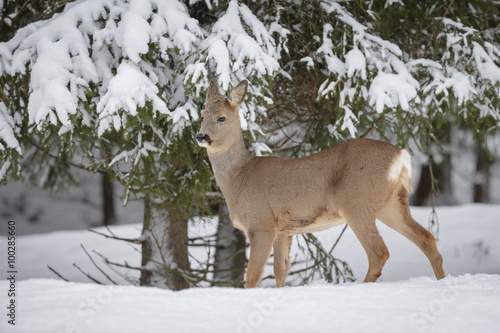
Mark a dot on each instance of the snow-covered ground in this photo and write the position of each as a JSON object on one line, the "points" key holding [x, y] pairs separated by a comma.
{"points": [[468, 303], [407, 298]]}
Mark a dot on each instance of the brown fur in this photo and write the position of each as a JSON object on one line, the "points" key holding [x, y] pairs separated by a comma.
{"points": [[271, 198]]}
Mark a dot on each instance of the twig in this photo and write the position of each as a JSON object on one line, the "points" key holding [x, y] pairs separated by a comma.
{"points": [[56, 273], [338, 239], [88, 275], [433, 217], [125, 265], [99, 268], [130, 240], [79, 166]]}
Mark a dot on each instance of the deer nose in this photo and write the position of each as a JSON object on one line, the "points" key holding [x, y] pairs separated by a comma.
{"points": [[203, 137]]}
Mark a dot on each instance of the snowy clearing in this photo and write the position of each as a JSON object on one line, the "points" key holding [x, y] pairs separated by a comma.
{"points": [[407, 298], [468, 303]]}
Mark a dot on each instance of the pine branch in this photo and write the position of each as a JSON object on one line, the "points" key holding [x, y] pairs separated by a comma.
{"points": [[75, 165]]}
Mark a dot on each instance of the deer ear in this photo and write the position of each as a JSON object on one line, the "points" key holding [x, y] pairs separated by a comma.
{"points": [[237, 95], [213, 91]]}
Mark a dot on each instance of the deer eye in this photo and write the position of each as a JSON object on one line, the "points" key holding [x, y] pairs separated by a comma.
{"points": [[221, 119]]}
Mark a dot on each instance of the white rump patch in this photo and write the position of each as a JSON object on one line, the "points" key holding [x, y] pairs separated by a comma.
{"points": [[405, 156], [403, 161]]}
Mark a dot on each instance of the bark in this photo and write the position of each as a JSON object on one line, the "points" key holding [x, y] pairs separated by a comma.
{"points": [[165, 260], [442, 173], [230, 259], [177, 245], [423, 189], [146, 275], [482, 182], [108, 208]]}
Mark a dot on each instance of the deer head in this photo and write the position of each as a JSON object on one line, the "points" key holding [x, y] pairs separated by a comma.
{"points": [[220, 126]]}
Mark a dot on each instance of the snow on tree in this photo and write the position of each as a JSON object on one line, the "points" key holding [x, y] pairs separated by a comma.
{"points": [[360, 71]]}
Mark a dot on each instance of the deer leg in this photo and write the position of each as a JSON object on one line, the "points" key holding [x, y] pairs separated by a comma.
{"points": [[396, 215], [366, 231], [261, 243], [282, 246]]}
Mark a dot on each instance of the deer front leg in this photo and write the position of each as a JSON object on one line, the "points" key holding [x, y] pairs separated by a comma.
{"points": [[261, 243], [282, 246]]}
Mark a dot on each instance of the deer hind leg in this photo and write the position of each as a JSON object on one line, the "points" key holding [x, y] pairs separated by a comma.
{"points": [[261, 243], [396, 215], [282, 246], [367, 233]]}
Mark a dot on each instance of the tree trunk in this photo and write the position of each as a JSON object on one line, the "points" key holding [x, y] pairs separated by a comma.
{"points": [[177, 245], [482, 181], [108, 208], [442, 173], [230, 256], [147, 252], [165, 260]]}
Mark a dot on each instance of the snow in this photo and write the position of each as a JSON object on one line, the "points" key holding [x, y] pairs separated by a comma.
{"points": [[134, 31], [485, 64], [128, 89], [121, 57], [455, 304], [230, 45], [85, 45], [391, 90], [355, 61], [7, 132]]}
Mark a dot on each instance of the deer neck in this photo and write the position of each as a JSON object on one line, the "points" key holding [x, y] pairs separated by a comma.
{"points": [[229, 164]]}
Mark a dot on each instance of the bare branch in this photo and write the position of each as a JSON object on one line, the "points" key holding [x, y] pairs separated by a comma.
{"points": [[338, 239], [130, 240], [99, 268], [56, 273], [88, 275], [125, 265]]}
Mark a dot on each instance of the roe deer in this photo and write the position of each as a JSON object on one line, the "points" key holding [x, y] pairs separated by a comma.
{"points": [[272, 198]]}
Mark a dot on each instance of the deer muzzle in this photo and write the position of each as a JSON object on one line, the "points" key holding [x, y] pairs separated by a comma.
{"points": [[203, 139]]}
